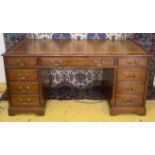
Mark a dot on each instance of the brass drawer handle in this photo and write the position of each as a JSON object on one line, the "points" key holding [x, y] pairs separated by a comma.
{"points": [[23, 77], [22, 62], [130, 62], [21, 100], [29, 100], [56, 62], [128, 100], [136, 62], [27, 88], [131, 76], [19, 87], [103, 61], [131, 89], [97, 62], [25, 102]]}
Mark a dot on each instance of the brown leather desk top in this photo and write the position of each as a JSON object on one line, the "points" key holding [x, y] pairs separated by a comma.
{"points": [[75, 48]]}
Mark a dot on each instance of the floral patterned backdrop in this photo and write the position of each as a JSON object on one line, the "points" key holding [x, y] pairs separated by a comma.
{"points": [[11, 38], [81, 77], [147, 41]]}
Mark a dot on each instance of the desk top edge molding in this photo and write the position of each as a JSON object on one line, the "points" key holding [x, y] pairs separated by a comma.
{"points": [[83, 48]]}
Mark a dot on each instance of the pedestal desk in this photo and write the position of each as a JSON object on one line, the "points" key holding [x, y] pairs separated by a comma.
{"points": [[26, 66]]}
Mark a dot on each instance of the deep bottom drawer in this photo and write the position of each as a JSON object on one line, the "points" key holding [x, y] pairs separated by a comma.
{"points": [[124, 100], [25, 100]]}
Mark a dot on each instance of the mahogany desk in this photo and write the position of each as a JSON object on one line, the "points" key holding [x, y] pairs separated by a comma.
{"points": [[27, 62]]}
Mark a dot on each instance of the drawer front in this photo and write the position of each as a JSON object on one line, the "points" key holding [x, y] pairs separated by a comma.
{"points": [[24, 88], [131, 74], [25, 100], [77, 62], [124, 100], [21, 61], [22, 74], [130, 87], [132, 61]]}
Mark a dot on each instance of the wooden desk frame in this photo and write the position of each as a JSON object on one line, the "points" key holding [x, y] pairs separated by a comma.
{"points": [[26, 74]]}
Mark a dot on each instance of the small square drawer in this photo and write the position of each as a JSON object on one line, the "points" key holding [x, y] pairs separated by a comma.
{"points": [[24, 88], [130, 87], [21, 61], [124, 100], [132, 61], [131, 74], [22, 74], [24, 100]]}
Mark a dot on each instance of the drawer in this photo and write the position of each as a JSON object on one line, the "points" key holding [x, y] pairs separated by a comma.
{"points": [[109, 61], [25, 100], [131, 74], [21, 61], [22, 74], [130, 87], [124, 100], [132, 61], [24, 88]]}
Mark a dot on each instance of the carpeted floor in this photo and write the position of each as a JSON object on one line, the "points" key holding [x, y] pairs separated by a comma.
{"points": [[75, 111]]}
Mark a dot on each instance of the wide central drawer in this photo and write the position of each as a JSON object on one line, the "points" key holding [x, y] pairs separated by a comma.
{"points": [[24, 88], [68, 62], [22, 74]]}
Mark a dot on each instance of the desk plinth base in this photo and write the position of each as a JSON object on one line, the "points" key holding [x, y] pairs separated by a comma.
{"points": [[19, 110], [121, 110]]}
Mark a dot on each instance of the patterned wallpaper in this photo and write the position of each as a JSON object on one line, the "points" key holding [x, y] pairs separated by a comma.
{"points": [[81, 77], [12, 38], [80, 36], [147, 41], [144, 40]]}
